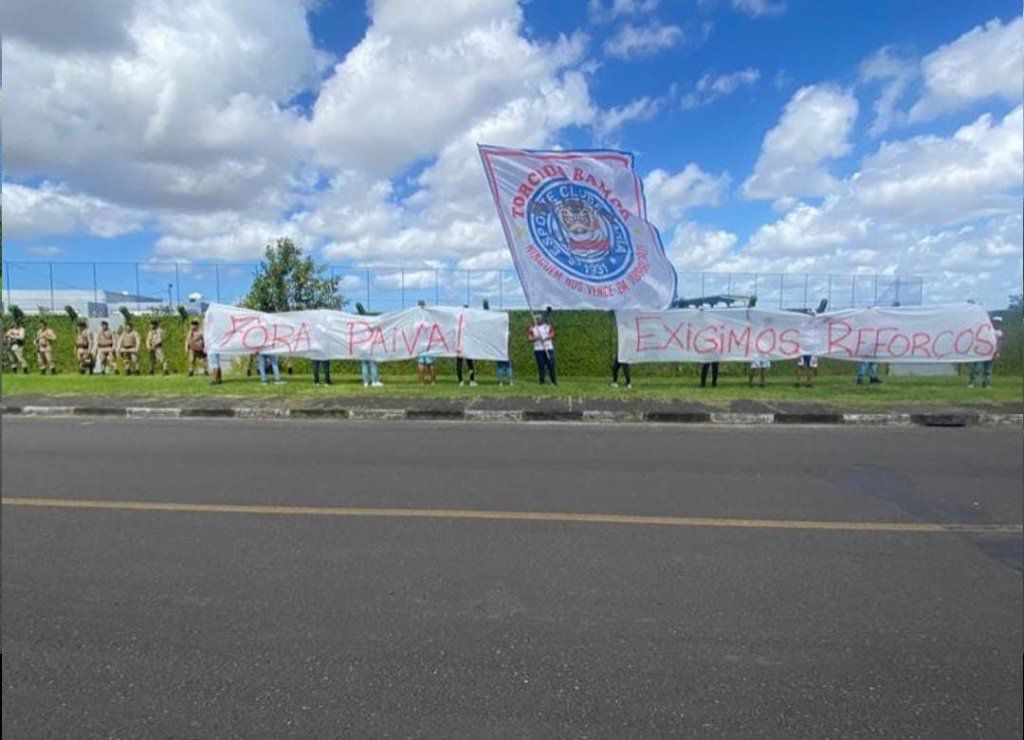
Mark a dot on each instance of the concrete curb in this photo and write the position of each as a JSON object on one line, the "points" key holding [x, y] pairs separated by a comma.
{"points": [[727, 418], [724, 417], [151, 412], [877, 419], [493, 415]]}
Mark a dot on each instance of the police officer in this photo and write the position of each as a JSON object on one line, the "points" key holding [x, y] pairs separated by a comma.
{"points": [[128, 346], [155, 345], [195, 348], [83, 347], [14, 338], [45, 337], [105, 353]]}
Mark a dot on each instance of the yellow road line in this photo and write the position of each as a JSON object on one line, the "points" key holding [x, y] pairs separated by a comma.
{"points": [[514, 516]]}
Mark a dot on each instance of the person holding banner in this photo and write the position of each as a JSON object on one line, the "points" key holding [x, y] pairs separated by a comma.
{"points": [[867, 370], [319, 365], [261, 365], [761, 365], [806, 369], [542, 334], [984, 368], [626, 374]]}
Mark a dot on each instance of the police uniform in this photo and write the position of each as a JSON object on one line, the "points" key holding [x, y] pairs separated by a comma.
{"points": [[105, 349], [129, 347], [45, 337], [15, 340], [155, 345], [83, 349], [195, 347]]}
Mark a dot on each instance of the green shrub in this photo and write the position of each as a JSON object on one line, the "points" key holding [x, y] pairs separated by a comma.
{"points": [[585, 346]]}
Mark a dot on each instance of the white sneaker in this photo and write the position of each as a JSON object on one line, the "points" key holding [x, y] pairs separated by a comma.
{"points": [[629, 386], [613, 385], [278, 382], [472, 384], [365, 384], [460, 384], [377, 384]]}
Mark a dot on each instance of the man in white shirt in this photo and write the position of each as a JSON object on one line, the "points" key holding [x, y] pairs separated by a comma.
{"points": [[542, 334]]}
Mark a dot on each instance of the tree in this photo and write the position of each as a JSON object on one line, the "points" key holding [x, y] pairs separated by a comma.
{"points": [[288, 281]]}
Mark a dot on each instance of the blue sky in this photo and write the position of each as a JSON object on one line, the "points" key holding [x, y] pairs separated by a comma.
{"points": [[772, 135]]}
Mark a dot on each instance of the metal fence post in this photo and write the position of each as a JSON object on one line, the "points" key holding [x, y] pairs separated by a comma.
{"points": [[853, 291], [138, 289], [52, 306], [757, 277], [703, 280], [782, 287], [467, 286], [216, 279], [896, 298], [501, 289], [830, 290], [875, 301], [367, 288], [7, 273], [437, 287], [95, 285], [177, 285], [807, 280], [403, 287]]}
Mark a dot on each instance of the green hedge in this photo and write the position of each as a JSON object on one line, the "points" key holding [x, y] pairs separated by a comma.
{"points": [[585, 346]]}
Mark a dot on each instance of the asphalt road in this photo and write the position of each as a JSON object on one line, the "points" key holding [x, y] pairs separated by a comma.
{"points": [[127, 623]]}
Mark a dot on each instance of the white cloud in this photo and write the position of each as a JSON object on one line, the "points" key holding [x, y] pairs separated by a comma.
{"points": [[639, 41], [44, 251], [600, 11], [895, 74], [190, 113], [53, 210], [759, 8], [928, 179], [695, 247], [710, 87], [946, 208], [670, 195], [612, 119], [420, 77], [809, 229], [814, 128], [987, 61]]}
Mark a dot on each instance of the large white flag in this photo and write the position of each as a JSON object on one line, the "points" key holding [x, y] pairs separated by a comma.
{"points": [[576, 224]]}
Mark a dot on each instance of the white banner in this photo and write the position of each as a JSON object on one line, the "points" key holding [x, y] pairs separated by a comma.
{"points": [[576, 224], [955, 333], [336, 335]]}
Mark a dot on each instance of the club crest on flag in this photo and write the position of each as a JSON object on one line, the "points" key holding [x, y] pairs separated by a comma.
{"points": [[576, 226], [578, 229]]}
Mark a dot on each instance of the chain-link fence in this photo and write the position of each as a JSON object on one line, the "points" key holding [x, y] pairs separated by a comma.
{"points": [[148, 286]]}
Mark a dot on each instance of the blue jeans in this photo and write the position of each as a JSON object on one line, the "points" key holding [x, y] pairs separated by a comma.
{"points": [[984, 369], [368, 368], [261, 365], [867, 370], [504, 370]]}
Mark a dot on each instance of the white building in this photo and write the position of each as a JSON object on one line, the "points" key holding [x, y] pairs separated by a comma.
{"points": [[85, 302]]}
